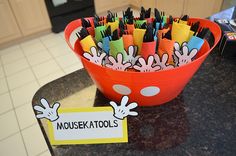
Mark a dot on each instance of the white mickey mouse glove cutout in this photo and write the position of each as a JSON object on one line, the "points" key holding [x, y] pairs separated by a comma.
{"points": [[106, 60], [147, 67], [96, 57], [177, 47], [99, 44], [163, 61], [131, 55], [186, 56], [118, 65], [46, 111], [122, 111]]}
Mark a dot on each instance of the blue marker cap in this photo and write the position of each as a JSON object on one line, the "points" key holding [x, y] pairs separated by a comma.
{"points": [[105, 44], [155, 37], [157, 26], [195, 42]]}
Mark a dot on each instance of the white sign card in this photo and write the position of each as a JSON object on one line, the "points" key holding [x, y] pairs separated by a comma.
{"points": [[87, 126]]}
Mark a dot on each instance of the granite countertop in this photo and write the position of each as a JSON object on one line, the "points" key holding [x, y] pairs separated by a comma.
{"points": [[200, 121]]}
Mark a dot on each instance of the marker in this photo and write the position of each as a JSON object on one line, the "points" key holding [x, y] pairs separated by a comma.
{"points": [[86, 40], [111, 21], [86, 24], [98, 30], [196, 42], [117, 46], [147, 14], [127, 15], [166, 45], [106, 38], [164, 18], [130, 25], [162, 31], [114, 25], [180, 32], [193, 30], [127, 38], [141, 20], [184, 19], [138, 35], [149, 44]]}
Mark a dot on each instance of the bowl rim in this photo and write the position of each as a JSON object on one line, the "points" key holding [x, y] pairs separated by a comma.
{"points": [[134, 72]]}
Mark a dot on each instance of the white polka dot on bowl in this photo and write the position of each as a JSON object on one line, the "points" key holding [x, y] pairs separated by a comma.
{"points": [[150, 91], [121, 89]]}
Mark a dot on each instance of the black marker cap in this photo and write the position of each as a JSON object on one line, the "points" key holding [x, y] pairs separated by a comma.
{"points": [[144, 25], [148, 13], [108, 31], [130, 21], [142, 16], [167, 35], [115, 35], [83, 33], [157, 15], [185, 18], [148, 36], [195, 26]]}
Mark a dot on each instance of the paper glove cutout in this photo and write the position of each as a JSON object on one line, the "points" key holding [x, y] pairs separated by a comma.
{"points": [[132, 56], [99, 44], [177, 47], [119, 64], [162, 62], [122, 111], [185, 57], [147, 67], [47, 112], [95, 57]]}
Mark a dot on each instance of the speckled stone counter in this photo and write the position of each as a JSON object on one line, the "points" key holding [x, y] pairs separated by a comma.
{"points": [[201, 121]]}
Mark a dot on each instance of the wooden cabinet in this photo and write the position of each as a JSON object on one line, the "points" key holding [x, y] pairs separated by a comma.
{"points": [[8, 28], [136, 3], [21, 18], [149, 4], [171, 7], [202, 8], [102, 6], [31, 15], [176, 8]]}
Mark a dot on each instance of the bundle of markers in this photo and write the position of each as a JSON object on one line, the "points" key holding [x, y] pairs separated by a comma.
{"points": [[142, 44]]}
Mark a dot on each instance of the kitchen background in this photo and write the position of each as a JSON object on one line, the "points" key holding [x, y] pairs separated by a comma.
{"points": [[31, 55]]}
